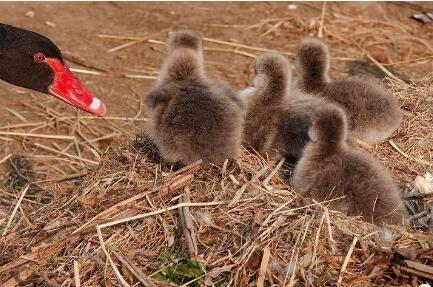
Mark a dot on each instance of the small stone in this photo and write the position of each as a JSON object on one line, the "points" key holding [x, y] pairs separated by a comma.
{"points": [[312, 23], [30, 14], [292, 7], [51, 24]]}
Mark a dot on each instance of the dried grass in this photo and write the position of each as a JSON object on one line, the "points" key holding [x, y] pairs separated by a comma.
{"points": [[414, 138], [133, 201]]}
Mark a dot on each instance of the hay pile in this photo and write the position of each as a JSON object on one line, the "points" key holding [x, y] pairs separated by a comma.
{"points": [[132, 220]]}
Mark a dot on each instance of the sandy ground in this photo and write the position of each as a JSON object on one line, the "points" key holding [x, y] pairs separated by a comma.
{"points": [[77, 26]]}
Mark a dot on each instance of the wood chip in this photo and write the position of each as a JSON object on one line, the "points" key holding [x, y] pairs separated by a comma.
{"points": [[11, 218], [419, 266], [346, 260], [188, 227], [264, 266], [77, 274]]}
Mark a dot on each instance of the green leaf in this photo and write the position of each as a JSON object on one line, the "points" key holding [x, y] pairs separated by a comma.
{"points": [[184, 271]]}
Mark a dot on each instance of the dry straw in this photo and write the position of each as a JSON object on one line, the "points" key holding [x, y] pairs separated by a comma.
{"points": [[124, 212]]}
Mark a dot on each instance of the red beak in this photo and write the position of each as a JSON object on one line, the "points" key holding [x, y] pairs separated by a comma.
{"points": [[69, 89]]}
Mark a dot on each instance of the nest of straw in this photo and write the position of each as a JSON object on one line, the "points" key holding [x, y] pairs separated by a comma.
{"points": [[135, 221]]}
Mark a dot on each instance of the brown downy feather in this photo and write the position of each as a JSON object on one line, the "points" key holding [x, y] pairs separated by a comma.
{"points": [[184, 39], [329, 128], [192, 117], [277, 119], [330, 169], [373, 114], [312, 64]]}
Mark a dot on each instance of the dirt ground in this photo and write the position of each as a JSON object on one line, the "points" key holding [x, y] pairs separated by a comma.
{"points": [[77, 26]]}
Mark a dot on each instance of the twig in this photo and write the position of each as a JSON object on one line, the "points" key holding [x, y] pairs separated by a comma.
{"points": [[310, 205], [26, 219], [249, 55], [159, 211], [266, 221], [204, 39], [23, 125], [88, 72], [189, 169], [363, 143], [346, 260], [118, 75], [77, 274], [119, 37], [272, 174], [125, 45], [6, 158], [58, 137], [225, 26], [385, 70], [264, 266], [240, 45], [391, 142], [328, 221], [139, 77], [241, 190], [17, 114], [272, 29], [188, 227], [331, 238], [79, 61], [195, 279], [316, 242], [66, 154], [107, 118], [110, 260], [54, 158], [142, 39], [322, 20], [419, 266], [8, 224], [297, 248], [146, 281], [109, 136], [416, 272], [408, 61]]}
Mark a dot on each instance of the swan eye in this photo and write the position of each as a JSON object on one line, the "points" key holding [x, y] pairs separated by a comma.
{"points": [[39, 57]]}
